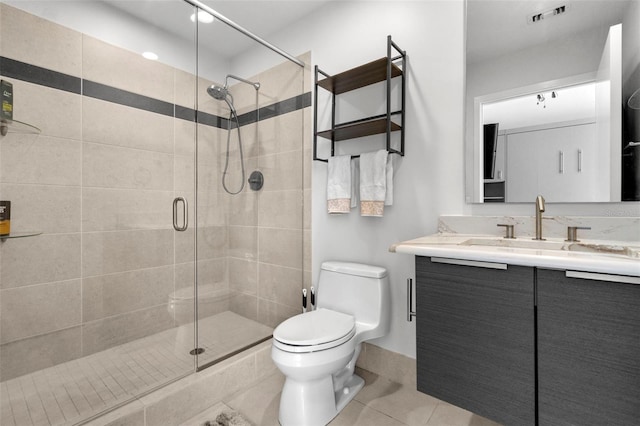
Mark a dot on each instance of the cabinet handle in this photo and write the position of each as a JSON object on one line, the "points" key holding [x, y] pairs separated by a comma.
{"points": [[579, 161], [603, 277], [185, 213], [561, 162], [410, 313], [476, 263]]}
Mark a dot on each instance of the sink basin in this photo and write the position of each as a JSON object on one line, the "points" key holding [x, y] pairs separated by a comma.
{"points": [[516, 243], [632, 252], [524, 243]]}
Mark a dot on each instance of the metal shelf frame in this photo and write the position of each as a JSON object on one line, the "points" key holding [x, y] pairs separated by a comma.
{"points": [[383, 69]]}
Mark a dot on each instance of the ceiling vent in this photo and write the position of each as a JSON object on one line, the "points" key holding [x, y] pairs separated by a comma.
{"points": [[540, 16]]}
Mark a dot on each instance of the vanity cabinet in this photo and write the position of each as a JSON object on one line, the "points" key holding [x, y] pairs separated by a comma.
{"points": [[475, 337], [529, 346], [588, 350]]}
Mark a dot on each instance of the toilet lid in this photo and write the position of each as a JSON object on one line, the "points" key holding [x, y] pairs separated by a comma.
{"points": [[314, 328]]}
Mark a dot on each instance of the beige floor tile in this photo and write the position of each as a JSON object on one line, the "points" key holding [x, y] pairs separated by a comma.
{"points": [[381, 402], [396, 400], [358, 414], [449, 415]]}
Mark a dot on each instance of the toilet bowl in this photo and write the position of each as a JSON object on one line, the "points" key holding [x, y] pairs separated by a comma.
{"points": [[317, 351]]}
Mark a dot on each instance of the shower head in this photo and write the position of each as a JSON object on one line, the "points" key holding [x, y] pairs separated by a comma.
{"points": [[217, 92], [222, 93]]}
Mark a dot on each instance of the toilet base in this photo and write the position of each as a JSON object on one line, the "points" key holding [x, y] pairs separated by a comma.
{"points": [[318, 404], [351, 389]]}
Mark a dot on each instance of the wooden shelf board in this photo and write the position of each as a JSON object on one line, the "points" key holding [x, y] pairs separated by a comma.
{"points": [[355, 78], [352, 131]]}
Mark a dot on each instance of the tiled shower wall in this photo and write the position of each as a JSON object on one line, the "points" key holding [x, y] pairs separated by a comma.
{"points": [[99, 181]]}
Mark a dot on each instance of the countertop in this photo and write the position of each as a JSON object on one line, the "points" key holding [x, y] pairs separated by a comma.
{"points": [[452, 246]]}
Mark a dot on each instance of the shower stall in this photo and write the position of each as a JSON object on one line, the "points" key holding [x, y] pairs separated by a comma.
{"points": [[139, 253]]}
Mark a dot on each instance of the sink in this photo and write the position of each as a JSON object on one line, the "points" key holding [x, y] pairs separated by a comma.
{"points": [[556, 245], [632, 252], [516, 243]]}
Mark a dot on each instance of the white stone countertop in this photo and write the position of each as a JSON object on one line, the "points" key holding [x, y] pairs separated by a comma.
{"points": [[603, 260]]}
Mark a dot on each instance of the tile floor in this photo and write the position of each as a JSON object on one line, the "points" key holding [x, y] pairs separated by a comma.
{"points": [[70, 392], [380, 403]]}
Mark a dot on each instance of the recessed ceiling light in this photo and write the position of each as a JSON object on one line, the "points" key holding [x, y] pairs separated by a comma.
{"points": [[204, 17], [539, 16], [150, 55]]}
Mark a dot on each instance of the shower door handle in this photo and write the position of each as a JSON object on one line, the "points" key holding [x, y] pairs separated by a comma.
{"points": [[185, 214]]}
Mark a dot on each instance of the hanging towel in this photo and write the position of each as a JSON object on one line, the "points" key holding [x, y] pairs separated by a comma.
{"points": [[339, 184], [388, 199], [373, 183], [355, 181]]}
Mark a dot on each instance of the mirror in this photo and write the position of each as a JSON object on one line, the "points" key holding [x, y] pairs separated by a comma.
{"points": [[549, 88]]}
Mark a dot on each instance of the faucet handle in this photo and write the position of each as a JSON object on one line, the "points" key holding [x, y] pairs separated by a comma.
{"points": [[572, 233], [509, 230]]}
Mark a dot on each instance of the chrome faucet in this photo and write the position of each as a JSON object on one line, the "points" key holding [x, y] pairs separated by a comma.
{"points": [[539, 211]]}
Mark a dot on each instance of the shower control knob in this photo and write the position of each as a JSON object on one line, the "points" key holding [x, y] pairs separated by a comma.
{"points": [[256, 180]]}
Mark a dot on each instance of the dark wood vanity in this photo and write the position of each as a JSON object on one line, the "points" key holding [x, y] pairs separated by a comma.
{"points": [[524, 345]]}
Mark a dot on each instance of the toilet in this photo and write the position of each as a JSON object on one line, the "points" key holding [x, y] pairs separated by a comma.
{"points": [[317, 351]]}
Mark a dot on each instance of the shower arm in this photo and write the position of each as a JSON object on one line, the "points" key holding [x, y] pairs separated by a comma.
{"points": [[226, 81]]}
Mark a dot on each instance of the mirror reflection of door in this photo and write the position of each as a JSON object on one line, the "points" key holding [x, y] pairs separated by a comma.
{"points": [[509, 55], [549, 133]]}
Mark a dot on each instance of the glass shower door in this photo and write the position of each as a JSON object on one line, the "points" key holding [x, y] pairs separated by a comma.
{"points": [[250, 191], [99, 308]]}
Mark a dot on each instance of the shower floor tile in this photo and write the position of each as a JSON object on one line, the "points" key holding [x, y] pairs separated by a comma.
{"points": [[68, 393]]}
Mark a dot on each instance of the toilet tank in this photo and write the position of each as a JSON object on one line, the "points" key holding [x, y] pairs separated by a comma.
{"points": [[356, 289]]}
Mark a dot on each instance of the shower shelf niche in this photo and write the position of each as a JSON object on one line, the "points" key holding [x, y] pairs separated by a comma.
{"points": [[15, 126], [383, 69], [19, 235]]}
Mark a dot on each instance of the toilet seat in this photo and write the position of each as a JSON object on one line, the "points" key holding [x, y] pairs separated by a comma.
{"points": [[314, 331]]}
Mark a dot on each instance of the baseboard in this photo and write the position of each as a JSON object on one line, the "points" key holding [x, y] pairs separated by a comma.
{"points": [[392, 365]]}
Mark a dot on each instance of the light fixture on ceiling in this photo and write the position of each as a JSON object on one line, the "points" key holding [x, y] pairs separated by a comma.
{"points": [[150, 55], [204, 17], [541, 99], [539, 16]]}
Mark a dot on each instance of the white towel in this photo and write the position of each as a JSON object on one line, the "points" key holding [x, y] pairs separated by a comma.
{"points": [[373, 183], [388, 199], [355, 181], [339, 184]]}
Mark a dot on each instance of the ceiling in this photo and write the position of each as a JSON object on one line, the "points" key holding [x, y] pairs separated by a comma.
{"points": [[495, 27], [260, 17], [498, 27]]}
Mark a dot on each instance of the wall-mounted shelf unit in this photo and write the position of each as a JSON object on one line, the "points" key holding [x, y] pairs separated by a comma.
{"points": [[383, 69]]}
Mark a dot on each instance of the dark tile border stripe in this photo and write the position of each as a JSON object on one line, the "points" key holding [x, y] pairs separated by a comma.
{"points": [[123, 97], [184, 113], [56, 80], [37, 75]]}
